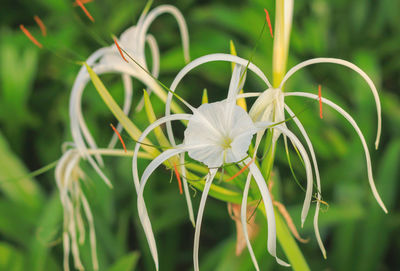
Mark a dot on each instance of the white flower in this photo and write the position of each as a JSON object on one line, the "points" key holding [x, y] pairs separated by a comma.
{"points": [[216, 133], [68, 176], [109, 60], [270, 107]]}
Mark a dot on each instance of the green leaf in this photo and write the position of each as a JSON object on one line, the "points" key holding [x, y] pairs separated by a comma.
{"points": [[126, 263]]}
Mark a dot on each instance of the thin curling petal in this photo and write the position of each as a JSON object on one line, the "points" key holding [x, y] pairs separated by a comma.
{"points": [[143, 215], [360, 135], [304, 155], [354, 68], [186, 190], [243, 219], [199, 219], [153, 14], [269, 209], [317, 177], [307, 164]]}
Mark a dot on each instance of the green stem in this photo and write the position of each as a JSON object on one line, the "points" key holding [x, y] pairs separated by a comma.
{"points": [[287, 242]]}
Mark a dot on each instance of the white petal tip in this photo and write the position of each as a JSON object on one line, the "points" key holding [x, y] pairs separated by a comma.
{"points": [[193, 223], [303, 219], [324, 254], [376, 145]]}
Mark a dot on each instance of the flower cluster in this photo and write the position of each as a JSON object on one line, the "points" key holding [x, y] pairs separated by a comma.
{"points": [[216, 134]]}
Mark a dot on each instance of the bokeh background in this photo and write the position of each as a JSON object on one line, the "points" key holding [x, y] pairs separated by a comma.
{"points": [[34, 96]]}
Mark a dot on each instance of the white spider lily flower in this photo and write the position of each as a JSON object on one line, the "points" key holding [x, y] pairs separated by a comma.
{"points": [[68, 175], [109, 60], [270, 107], [216, 133]]}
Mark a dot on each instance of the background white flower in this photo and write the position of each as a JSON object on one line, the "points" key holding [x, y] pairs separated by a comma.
{"points": [[109, 60]]}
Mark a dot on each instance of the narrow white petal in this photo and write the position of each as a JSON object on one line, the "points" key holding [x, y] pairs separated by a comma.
{"points": [[144, 135], [155, 55], [269, 209], [304, 155], [186, 189], [202, 205], [360, 135], [354, 68], [92, 233], [317, 176], [143, 215], [66, 249], [243, 217], [153, 14]]}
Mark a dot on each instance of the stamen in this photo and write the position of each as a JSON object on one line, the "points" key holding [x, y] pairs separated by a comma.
{"points": [[80, 4], [178, 177], [29, 35], [241, 171], [83, 2], [119, 50], [41, 25], [119, 136], [320, 101], [269, 22]]}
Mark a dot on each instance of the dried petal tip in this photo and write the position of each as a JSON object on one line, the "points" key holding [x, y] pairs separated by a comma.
{"points": [[29, 35], [269, 22]]}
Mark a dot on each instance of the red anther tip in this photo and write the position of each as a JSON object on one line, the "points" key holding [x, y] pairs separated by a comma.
{"points": [[120, 51], [41, 25], [269, 22], [29, 35], [178, 177], [240, 171], [119, 136], [320, 101], [80, 4]]}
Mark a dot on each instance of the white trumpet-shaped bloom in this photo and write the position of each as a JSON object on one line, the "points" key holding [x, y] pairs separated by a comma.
{"points": [[108, 60], [216, 133]]}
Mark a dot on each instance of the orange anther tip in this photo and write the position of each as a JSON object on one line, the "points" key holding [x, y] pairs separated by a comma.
{"points": [[269, 22], [119, 136], [320, 101], [29, 35], [119, 50], [178, 177], [80, 4], [41, 25]]}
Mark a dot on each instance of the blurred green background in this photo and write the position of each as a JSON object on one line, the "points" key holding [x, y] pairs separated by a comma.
{"points": [[34, 96]]}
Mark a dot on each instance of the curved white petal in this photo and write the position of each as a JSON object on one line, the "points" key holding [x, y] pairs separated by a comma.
{"points": [[269, 209], [143, 215], [307, 163], [92, 232], [317, 176], [186, 189], [360, 135], [144, 135], [243, 218], [354, 68], [197, 62], [204, 195], [153, 14]]}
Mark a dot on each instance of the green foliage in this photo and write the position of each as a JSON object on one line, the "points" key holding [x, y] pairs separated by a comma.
{"points": [[34, 96]]}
